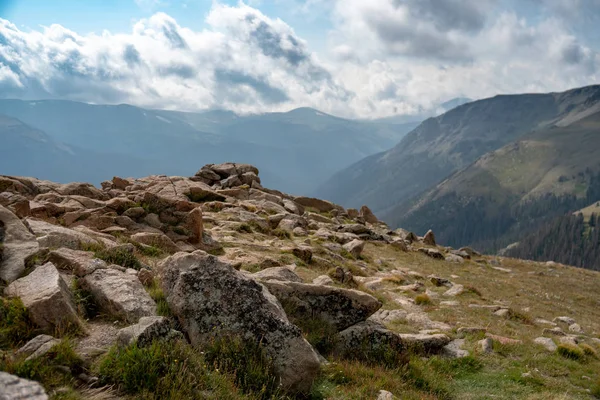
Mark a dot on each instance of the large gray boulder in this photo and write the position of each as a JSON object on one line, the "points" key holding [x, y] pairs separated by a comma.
{"points": [[211, 299], [278, 274], [119, 294], [15, 388], [17, 245], [338, 307], [47, 297]]}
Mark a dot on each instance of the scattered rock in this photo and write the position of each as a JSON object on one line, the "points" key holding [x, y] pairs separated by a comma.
{"points": [[354, 247], [303, 253], [159, 240], [55, 236], [144, 332], [324, 280], [554, 332], [388, 316], [400, 244], [338, 307], [17, 245], [486, 345], [437, 281], [425, 343], [366, 213], [47, 298], [37, 347], [503, 312], [454, 349], [385, 395], [456, 259], [210, 298], [575, 328], [455, 290], [547, 343], [433, 253], [277, 274], [119, 294], [15, 388], [429, 238]]}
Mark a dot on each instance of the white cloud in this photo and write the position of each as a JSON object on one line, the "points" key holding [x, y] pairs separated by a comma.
{"points": [[386, 57]]}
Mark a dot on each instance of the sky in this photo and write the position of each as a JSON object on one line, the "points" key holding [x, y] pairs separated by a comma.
{"points": [[351, 58]]}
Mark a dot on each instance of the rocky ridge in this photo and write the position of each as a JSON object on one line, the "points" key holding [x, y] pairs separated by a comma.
{"points": [[236, 259]]}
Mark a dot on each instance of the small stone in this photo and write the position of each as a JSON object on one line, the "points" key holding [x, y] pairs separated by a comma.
{"points": [[144, 332], [385, 395], [324, 280], [547, 343], [575, 328], [486, 345], [455, 290], [303, 253], [503, 312], [354, 247], [554, 332], [37, 347]]}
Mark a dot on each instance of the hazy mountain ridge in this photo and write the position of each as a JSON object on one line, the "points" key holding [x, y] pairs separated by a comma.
{"points": [[450, 142], [295, 150]]}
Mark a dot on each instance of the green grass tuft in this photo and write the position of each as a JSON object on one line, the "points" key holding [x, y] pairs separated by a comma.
{"points": [[164, 370], [162, 307], [281, 234], [84, 301], [570, 351], [16, 326], [248, 364], [119, 256], [422, 299]]}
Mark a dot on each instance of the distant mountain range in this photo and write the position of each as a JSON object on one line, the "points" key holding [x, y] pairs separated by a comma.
{"points": [[486, 173], [296, 151]]}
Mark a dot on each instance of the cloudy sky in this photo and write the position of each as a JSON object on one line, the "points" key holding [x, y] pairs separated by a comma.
{"points": [[352, 58]]}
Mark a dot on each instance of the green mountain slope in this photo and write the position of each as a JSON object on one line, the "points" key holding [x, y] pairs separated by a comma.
{"points": [[514, 190], [450, 142]]}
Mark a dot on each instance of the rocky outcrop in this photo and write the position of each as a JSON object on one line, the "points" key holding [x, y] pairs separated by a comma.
{"points": [[210, 298], [119, 294], [17, 244], [54, 236], [15, 388], [47, 298], [340, 308]]}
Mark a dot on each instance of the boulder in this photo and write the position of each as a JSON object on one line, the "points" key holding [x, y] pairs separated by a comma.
{"points": [[455, 290], [433, 253], [304, 253], [293, 207], [366, 213], [144, 332], [54, 236], [317, 204], [388, 316], [195, 225], [119, 294], [400, 244], [323, 280], [454, 349], [548, 343], [159, 240], [429, 238], [75, 261], [453, 258], [17, 244], [211, 299], [37, 347], [47, 298], [285, 274], [354, 247], [367, 336], [15, 388], [338, 307]]}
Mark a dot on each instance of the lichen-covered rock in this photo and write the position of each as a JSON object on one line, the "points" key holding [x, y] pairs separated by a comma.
{"points": [[144, 332], [47, 297], [366, 336], [338, 307], [17, 245], [15, 388], [210, 298], [119, 294]]}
